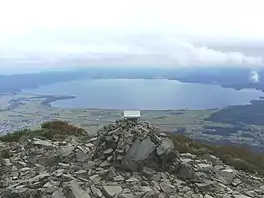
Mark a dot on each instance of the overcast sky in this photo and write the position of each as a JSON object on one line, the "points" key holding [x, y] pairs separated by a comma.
{"points": [[174, 33]]}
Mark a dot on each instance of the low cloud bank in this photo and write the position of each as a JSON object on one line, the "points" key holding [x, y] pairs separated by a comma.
{"points": [[130, 50]]}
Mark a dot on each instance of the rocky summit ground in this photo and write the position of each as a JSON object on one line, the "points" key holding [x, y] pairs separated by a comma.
{"points": [[125, 160]]}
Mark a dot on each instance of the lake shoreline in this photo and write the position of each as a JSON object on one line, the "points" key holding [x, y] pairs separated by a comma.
{"points": [[50, 99], [143, 94], [236, 124]]}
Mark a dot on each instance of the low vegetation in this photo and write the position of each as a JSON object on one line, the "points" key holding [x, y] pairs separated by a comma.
{"points": [[49, 130], [241, 158]]}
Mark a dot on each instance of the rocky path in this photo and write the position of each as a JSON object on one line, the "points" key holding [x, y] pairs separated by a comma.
{"points": [[125, 160]]}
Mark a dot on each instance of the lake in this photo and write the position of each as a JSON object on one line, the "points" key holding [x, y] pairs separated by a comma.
{"points": [[154, 94]]}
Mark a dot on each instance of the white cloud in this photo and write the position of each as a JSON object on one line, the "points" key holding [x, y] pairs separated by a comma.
{"points": [[149, 49], [127, 32]]}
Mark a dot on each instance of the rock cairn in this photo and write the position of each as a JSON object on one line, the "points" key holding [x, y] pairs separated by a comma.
{"points": [[131, 146], [125, 160]]}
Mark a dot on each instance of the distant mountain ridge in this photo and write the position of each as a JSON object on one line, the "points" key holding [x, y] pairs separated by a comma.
{"points": [[231, 78]]}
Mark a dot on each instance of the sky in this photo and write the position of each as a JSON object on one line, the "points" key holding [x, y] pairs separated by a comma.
{"points": [[162, 33]]}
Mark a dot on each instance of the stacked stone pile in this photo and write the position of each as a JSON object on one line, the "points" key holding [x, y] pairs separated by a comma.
{"points": [[131, 146], [125, 160]]}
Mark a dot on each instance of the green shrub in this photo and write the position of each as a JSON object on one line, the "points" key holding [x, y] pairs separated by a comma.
{"points": [[49, 130], [59, 127], [15, 136]]}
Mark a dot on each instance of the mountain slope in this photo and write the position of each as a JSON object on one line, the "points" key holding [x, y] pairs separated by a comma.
{"points": [[125, 160]]}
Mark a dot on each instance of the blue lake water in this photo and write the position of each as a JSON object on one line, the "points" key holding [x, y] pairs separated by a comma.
{"points": [[145, 94]]}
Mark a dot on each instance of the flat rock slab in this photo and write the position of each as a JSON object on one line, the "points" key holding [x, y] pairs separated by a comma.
{"points": [[138, 152], [44, 143], [165, 147], [111, 191], [75, 191]]}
